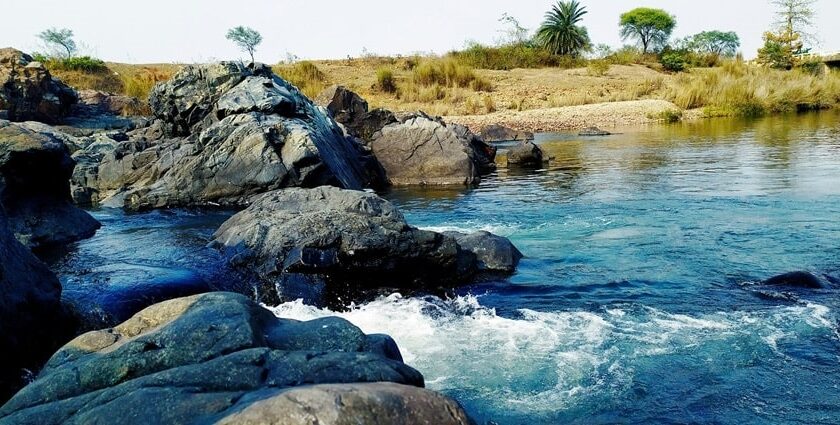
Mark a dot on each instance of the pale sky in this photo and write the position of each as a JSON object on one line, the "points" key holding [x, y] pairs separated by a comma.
{"points": [[156, 31]]}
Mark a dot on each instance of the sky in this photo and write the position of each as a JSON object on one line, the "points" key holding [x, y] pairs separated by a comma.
{"points": [[181, 31]]}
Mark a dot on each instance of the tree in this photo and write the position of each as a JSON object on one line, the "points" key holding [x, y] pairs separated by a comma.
{"points": [[779, 50], [716, 43], [59, 38], [795, 17], [651, 27], [560, 34], [514, 33], [246, 38]]}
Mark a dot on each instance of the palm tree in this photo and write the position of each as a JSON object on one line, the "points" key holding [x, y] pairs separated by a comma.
{"points": [[560, 33]]}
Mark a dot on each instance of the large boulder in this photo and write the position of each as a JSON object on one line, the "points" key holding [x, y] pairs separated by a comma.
{"points": [[223, 133], [29, 92], [35, 170], [31, 317], [96, 102], [421, 150], [330, 246], [213, 356], [525, 154], [499, 133], [351, 111], [493, 254]]}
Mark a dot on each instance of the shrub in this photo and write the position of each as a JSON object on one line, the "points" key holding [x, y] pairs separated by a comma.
{"points": [[489, 104], [674, 60], [80, 63], [598, 67], [511, 56], [385, 80], [448, 73], [669, 116]]}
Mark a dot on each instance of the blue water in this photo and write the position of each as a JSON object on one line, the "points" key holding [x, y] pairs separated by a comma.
{"points": [[636, 301]]}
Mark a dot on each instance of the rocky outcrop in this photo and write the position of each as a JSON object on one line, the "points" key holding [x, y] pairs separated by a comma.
{"points": [[35, 168], [498, 133], [31, 317], [330, 246], [223, 133], [351, 111], [493, 254], [95, 102], [209, 357], [421, 150], [525, 154], [29, 92]]}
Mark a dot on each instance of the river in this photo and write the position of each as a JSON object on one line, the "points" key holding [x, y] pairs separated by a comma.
{"points": [[636, 301]]}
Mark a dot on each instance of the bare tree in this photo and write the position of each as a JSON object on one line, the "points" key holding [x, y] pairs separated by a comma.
{"points": [[246, 38], [795, 18], [61, 38]]}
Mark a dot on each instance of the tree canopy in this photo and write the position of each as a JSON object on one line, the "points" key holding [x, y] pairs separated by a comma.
{"points": [[715, 43], [560, 33], [246, 38], [59, 38], [650, 27]]}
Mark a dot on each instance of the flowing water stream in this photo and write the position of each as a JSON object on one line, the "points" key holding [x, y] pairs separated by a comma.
{"points": [[637, 300]]}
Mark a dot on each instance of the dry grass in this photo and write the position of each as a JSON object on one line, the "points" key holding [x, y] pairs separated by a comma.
{"points": [[738, 89], [306, 75]]}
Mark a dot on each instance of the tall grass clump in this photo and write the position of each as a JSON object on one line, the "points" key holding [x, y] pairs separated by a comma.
{"points": [[448, 72], [385, 81], [305, 75], [512, 56], [738, 89], [141, 83]]}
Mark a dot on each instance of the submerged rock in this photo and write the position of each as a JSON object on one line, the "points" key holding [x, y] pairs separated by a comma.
{"points": [[35, 169], [209, 357], [327, 245], [498, 133], [32, 321], [797, 279], [223, 133], [525, 154], [593, 131], [493, 254], [29, 92]]}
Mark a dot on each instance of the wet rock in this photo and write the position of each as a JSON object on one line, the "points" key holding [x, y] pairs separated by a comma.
{"points": [[207, 357], [498, 133], [525, 154], [31, 317], [35, 168], [797, 279], [377, 403], [111, 294], [351, 111], [593, 131], [223, 133], [311, 243], [29, 92], [421, 150], [493, 254]]}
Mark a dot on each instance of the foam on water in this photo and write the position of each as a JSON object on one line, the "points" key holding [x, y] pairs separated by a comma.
{"points": [[537, 364]]}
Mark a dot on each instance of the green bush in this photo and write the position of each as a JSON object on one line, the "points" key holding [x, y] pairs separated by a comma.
{"points": [[598, 67], [385, 80], [511, 56], [674, 60], [448, 72], [80, 63]]}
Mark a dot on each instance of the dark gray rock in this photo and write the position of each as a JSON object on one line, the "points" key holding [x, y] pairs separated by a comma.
{"points": [[94, 103], [498, 133], [421, 150], [203, 358], [797, 279], [493, 254], [593, 131], [29, 92], [525, 154], [35, 170], [32, 322], [351, 111], [317, 243]]}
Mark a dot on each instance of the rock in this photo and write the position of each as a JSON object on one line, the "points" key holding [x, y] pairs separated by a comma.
{"points": [[332, 404], [32, 321], [207, 357], [351, 111], [223, 133], [525, 154], [35, 170], [107, 295], [29, 92], [493, 254], [498, 133], [797, 279], [95, 102], [320, 244], [593, 131], [420, 150]]}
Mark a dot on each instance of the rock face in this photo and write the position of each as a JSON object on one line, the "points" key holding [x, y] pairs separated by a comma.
{"points": [[421, 150], [498, 133], [209, 357], [95, 102], [29, 92], [326, 245], [35, 169], [30, 312], [223, 134], [525, 154], [349, 109]]}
